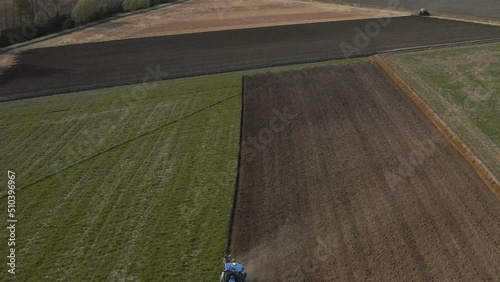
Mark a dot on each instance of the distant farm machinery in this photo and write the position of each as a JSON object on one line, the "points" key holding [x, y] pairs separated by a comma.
{"points": [[423, 13]]}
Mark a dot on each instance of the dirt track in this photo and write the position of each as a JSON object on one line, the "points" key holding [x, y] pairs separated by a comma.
{"points": [[358, 186], [64, 69], [212, 15]]}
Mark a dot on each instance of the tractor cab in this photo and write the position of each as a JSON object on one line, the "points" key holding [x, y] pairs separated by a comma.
{"points": [[423, 12], [233, 272]]}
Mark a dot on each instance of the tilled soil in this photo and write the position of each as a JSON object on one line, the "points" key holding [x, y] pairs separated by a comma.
{"points": [[342, 178], [71, 68]]}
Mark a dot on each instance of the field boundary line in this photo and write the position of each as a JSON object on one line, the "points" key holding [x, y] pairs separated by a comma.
{"points": [[437, 46], [486, 21], [477, 165], [237, 182]]}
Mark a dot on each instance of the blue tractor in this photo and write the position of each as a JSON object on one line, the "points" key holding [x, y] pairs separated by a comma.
{"points": [[233, 271]]}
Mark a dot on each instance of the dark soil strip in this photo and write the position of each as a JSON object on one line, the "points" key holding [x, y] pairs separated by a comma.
{"points": [[71, 68]]}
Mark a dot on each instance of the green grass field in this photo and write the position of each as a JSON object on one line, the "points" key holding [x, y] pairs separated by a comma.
{"points": [[112, 187], [123, 185], [462, 86]]}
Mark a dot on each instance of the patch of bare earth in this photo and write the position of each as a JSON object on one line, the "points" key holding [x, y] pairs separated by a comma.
{"points": [[343, 178], [212, 15]]}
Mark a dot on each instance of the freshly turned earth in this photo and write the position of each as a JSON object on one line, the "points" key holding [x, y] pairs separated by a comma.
{"points": [[358, 185]]}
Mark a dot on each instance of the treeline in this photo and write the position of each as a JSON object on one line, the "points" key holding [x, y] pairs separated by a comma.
{"points": [[35, 18]]}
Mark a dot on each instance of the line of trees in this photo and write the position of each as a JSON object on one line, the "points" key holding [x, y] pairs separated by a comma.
{"points": [[34, 18], [30, 10], [83, 11]]}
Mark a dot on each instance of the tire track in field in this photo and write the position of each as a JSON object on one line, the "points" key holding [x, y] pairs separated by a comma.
{"points": [[17, 141], [57, 208], [103, 196], [126, 254], [46, 131], [123, 143], [59, 139], [48, 219]]}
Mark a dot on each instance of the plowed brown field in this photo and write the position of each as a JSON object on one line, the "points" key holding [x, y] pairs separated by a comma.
{"points": [[343, 178], [64, 69]]}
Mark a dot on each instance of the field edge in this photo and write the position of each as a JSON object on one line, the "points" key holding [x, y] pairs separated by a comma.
{"points": [[489, 179]]}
